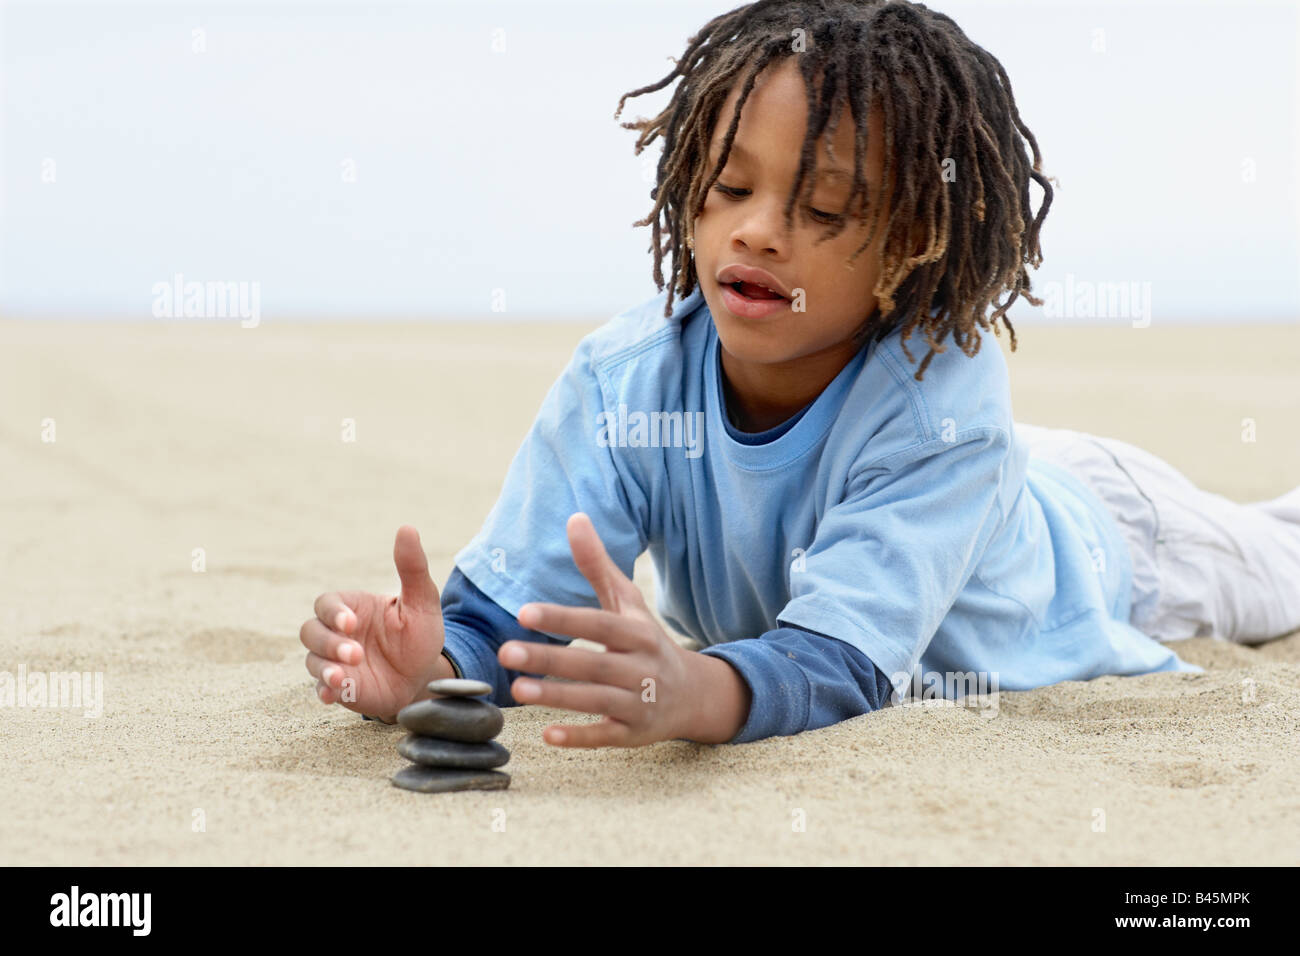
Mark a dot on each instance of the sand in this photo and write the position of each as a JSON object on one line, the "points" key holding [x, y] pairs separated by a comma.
{"points": [[213, 749]]}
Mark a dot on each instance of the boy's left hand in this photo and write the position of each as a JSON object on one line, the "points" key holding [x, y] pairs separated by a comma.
{"points": [[641, 683]]}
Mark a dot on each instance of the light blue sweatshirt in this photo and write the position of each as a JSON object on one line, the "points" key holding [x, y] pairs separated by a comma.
{"points": [[892, 523]]}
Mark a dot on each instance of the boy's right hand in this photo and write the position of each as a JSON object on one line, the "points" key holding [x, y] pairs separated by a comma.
{"points": [[388, 647]]}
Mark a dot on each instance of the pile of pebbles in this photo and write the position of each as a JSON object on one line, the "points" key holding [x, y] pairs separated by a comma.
{"points": [[450, 743]]}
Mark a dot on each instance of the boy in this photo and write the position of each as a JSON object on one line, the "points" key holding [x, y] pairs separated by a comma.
{"points": [[841, 523]]}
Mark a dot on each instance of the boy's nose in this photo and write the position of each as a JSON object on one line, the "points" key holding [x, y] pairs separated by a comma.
{"points": [[763, 228]]}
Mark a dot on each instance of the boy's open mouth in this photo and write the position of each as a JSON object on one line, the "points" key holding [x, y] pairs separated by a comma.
{"points": [[751, 290]]}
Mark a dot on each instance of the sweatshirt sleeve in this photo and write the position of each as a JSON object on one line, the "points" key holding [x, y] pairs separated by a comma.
{"points": [[475, 628], [801, 680]]}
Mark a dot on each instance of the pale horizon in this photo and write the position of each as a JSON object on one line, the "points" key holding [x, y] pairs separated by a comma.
{"points": [[376, 161]]}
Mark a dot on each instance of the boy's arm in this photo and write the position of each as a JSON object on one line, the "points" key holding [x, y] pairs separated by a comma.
{"points": [[797, 680], [475, 627]]}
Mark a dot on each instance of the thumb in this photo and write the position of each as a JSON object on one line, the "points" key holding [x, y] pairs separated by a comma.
{"points": [[613, 588], [418, 590]]}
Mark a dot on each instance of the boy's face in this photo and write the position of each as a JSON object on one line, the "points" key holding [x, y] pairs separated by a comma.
{"points": [[750, 230]]}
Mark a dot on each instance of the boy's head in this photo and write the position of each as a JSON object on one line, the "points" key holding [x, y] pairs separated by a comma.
{"points": [[921, 206]]}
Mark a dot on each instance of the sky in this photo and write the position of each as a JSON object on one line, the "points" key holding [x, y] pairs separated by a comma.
{"points": [[360, 160]]}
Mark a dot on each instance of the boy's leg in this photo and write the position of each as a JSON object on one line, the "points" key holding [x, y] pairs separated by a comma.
{"points": [[1096, 468], [1220, 567], [1284, 508]]}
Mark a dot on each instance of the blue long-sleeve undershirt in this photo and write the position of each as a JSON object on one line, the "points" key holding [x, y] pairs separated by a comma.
{"points": [[799, 679]]}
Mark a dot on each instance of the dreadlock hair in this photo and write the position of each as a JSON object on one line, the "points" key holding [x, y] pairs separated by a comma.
{"points": [[947, 107]]}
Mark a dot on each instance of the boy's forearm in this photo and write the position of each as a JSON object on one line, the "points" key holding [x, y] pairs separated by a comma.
{"points": [[722, 700]]}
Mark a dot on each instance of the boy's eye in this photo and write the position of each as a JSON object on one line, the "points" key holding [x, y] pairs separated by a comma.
{"points": [[829, 218], [826, 217]]}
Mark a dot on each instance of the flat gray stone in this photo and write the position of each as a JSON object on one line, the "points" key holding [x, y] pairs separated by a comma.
{"points": [[465, 719], [442, 780], [436, 752], [459, 687]]}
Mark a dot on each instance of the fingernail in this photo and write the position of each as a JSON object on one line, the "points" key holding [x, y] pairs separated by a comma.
{"points": [[340, 620], [326, 674], [557, 736], [352, 653], [527, 689], [513, 655]]}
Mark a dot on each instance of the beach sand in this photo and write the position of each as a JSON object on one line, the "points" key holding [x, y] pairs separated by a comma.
{"points": [[172, 437]]}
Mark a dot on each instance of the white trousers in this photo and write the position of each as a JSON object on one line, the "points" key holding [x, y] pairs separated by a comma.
{"points": [[1202, 563]]}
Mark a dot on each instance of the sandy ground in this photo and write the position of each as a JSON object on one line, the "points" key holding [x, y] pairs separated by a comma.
{"points": [[172, 437]]}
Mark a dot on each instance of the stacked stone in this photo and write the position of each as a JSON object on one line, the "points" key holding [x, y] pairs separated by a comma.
{"points": [[450, 742]]}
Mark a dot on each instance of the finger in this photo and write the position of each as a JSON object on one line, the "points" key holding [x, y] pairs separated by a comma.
{"points": [[615, 631], [333, 613], [613, 588], [327, 672], [418, 589], [605, 733], [319, 639], [325, 694], [587, 698], [574, 663]]}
